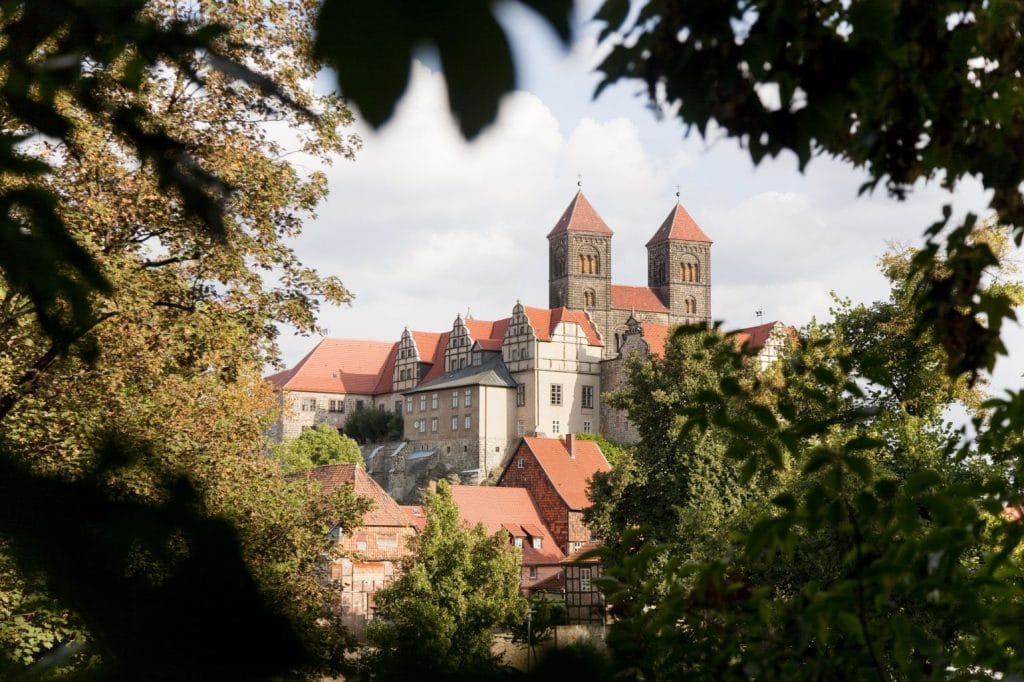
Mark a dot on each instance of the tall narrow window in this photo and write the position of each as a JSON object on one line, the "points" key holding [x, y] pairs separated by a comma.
{"points": [[556, 394], [423, 403], [408, 404], [468, 422], [455, 423], [520, 396], [588, 298], [433, 424], [433, 401], [556, 427], [588, 396], [584, 580], [455, 398], [583, 264], [468, 398]]}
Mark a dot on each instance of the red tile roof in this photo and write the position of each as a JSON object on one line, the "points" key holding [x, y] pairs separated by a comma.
{"points": [[385, 512], [656, 335], [580, 216], [482, 329], [570, 476], [544, 321], [679, 225], [416, 515], [437, 359], [489, 344], [387, 373], [493, 506], [426, 344], [754, 338], [338, 366], [636, 298]]}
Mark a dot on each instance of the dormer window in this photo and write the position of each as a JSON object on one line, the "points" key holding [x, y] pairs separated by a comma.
{"points": [[536, 543], [518, 542]]}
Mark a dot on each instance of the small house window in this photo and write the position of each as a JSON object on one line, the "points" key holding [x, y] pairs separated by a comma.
{"points": [[455, 423], [408, 404], [455, 398], [521, 464], [433, 401], [433, 424], [359, 404], [518, 542], [585, 580], [520, 395], [556, 427], [533, 572], [586, 426], [588, 396], [468, 399], [536, 543], [556, 394], [468, 422]]}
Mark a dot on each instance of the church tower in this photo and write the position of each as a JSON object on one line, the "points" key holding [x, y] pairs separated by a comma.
{"points": [[580, 261], [679, 268]]}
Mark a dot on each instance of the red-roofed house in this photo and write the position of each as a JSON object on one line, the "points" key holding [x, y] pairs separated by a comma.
{"points": [[374, 550], [557, 474], [513, 510], [335, 378]]}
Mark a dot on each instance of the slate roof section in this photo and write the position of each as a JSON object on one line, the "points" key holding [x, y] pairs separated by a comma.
{"points": [[385, 512], [626, 297], [570, 476], [544, 321], [491, 372], [338, 366], [679, 225], [493, 506], [580, 216]]}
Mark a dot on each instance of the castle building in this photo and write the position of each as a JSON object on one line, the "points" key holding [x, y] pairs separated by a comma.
{"points": [[469, 394]]}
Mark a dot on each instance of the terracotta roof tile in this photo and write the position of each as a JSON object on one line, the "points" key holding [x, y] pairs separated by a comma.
{"points": [[493, 506], [626, 297], [426, 344], [489, 344], [337, 366], [569, 476], [416, 514], [385, 512], [656, 335], [679, 225], [438, 358], [580, 216], [386, 378], [544, 321], [754, 338]]}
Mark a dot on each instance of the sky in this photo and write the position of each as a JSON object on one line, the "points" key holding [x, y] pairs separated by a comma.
{"points": [[423, 226]]}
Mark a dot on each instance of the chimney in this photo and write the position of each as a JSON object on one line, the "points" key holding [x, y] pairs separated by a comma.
{"points": [[570, 445]]}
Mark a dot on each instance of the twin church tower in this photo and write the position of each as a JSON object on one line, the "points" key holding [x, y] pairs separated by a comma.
{"points": [[678, 287]]}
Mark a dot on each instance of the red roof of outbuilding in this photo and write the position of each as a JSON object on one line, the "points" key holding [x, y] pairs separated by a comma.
{"points": [[385, 512], [580, 216], [570, 476], [416, 515], [338, 366], [544, 321], [625, 297], [493, 507], [754, 338], [679, 225]]}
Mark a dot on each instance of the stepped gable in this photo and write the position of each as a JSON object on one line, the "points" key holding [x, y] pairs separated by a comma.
{"points": [[580, 216], [509, 508], [679, 225], [385, 512], [544, 321], [569, 474], [627, 297], [338, 366]]}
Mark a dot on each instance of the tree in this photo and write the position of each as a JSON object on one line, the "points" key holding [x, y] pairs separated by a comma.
{"points": [[461, 584], [367, 425], [170, 192], [613, 452], [317, 446]]}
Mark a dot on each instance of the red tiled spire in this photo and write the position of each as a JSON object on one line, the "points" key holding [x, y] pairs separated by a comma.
{"points": [[580, 216], [679, 225]]}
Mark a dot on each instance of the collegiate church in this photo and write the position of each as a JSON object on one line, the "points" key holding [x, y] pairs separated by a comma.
{"points": [[469, 394]]}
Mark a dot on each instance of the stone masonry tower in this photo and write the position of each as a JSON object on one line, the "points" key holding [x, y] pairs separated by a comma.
{"points": [[679, 268], [580, 264]]}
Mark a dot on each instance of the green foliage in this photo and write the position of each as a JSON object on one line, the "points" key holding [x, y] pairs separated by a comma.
{"points": [[544, 615], [613, 452], [317, 446], [368, 425], [460, 585], [871, 543]]}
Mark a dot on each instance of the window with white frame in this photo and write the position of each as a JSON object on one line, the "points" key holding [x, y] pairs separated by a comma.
{"points": [[556, 427], [467, 398], [467, 423], [433, 401], [518, 542], [520, 395], [309, 404], [408, 404], [588, 396], [586, 426], [455, 398], [520, 427], [556, 394], [455, 423], [585, 579], [423, 403], [521, 463], [536, 542], [433, 424], [533, 572]]}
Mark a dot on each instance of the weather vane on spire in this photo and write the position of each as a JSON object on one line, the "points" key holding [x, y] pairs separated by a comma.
{"points": [[677, 192], [579, 181]]}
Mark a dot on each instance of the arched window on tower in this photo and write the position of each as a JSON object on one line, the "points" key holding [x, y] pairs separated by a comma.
{"points": [[583, 264], [558, 262], [589, 298], [689, 269], [690, 306]]}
